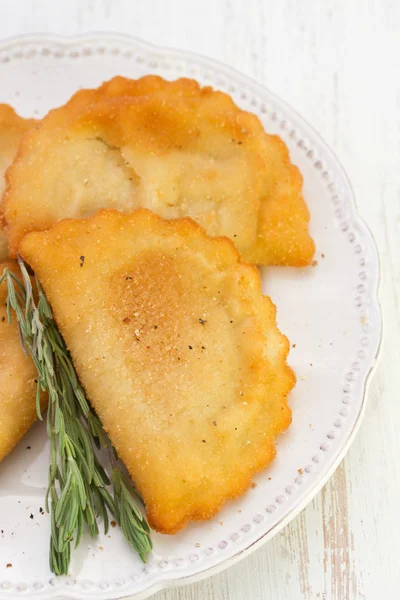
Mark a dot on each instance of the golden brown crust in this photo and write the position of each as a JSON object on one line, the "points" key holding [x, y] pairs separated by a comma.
{"points": [[3, 239], [178, 351], [17, 378], [12, 127], [173, 147]]}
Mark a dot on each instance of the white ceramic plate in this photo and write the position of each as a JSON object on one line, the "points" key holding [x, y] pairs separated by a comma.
{"points": [[330, 312]]}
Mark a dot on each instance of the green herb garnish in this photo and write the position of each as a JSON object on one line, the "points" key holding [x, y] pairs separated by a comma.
{"points": [[78, 485]]}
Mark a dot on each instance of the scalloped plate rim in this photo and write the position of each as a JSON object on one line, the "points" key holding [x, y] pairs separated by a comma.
{"points": [[90, 37]]}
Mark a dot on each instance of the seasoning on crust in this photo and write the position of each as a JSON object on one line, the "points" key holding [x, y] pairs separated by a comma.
{"points": [[178, 352]]}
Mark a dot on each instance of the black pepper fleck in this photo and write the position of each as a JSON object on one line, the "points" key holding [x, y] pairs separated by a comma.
{"points": [[82, 259], [202, 321], [155, 326], [204, 441], [190, 347], [128, 278], [3, 319], [28, 447], [31, 516]]}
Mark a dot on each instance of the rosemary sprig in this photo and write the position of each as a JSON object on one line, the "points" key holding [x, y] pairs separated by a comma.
{"points": [[78, 485]]}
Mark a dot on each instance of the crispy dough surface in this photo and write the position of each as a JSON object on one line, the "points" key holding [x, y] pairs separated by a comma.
{"points": [[178, 351], [17, 378], [173, 147], [12, 127]]}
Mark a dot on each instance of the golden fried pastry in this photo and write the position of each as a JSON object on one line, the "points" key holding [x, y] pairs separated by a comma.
{"points": [[3, 240], [17, 377], [12, 127], [173, 147], [177, 349]]}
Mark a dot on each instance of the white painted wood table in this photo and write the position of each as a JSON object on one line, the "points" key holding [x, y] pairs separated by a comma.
{"points": [[336, 62]]}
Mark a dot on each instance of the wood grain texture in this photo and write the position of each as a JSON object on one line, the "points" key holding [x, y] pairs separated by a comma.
{"points": [[337, 62]]}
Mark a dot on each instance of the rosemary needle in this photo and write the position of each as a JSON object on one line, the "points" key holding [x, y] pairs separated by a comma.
{"points": [[77, 492]]}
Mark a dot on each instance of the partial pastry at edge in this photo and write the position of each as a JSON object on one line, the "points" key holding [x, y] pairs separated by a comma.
{"points": [[17, 377], [12, 127]]}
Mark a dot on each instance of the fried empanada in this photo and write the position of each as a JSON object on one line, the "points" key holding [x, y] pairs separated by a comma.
{"points": [[12, 127], [177, 349], [17, 377], [173, 147]]}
